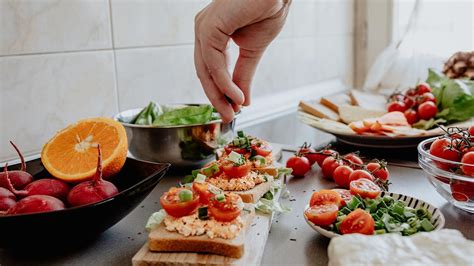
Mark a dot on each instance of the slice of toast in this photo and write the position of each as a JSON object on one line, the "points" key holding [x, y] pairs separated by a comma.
{"points": [[254, 194], [368, 100], [334, 101], [162, 240], [318, 110]]}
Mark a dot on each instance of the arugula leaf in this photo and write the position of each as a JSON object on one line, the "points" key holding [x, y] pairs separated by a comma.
{"points": [[185, 116]]}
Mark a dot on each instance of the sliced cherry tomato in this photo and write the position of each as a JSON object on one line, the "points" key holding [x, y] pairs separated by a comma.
{"points": [[365, 188], [444, 149], [345, 194], [411, 116], [353, 158], [203, 190], [173, 205], [329, 165], [358, 174], [358, 221], [319, 158], [341, 175], [468, 158], [300, 165], [427, 110], [226, 210], [325, 196], [396, 106], [423, 88], [261, 148], [378, 170], [230, 148], [322, 215], [233, 171]]}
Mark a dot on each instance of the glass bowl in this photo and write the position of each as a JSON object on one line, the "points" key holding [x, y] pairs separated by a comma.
{"points": [[453, 186]]}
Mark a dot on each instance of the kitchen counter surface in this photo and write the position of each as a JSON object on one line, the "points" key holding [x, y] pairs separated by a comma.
{"points": [[291, 240]]}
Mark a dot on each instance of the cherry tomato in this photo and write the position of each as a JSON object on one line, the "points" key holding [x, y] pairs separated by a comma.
{"points": [[329, 165], [396, 106], [300, 165], [322, 215], [352, 157], [378, 170], [426, 97], [427, 110], [325, 153], [233, 171], [309, 154], [358, 174], [462, 190], [411, 92], [324, 197], [345, 194], [441, 148], [203, 190], [173, 206], [230, 148], [471, 131], [409, 102], [341, 175], [365, 188], [423, 88], [358, 221], [261, 148], [226, 210], [411, 116], [468, 158]]}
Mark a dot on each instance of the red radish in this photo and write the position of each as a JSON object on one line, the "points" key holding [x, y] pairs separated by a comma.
{"points": [[7, 199], [36, 203], [93, 191], [47, 186], [19, 178]]}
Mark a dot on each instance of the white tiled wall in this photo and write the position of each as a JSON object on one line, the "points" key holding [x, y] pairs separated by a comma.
{"points": [[65, 60]]}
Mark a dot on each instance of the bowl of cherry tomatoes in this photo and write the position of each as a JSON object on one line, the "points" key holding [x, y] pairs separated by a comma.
{"points": [[448, 162]]}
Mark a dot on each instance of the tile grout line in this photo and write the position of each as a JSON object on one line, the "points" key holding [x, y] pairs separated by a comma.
{"points": [[117, 97]]}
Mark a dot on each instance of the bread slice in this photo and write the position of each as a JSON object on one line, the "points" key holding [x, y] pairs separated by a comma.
{"points": [[162, 240], [351, 114], [254, 194], [334, 101], [368, 100], [318, 110]]}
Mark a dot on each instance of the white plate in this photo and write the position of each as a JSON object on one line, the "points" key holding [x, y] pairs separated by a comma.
{"points": [[437, 218]]}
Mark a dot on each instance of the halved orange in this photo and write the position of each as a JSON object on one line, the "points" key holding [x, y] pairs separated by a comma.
{"points": [[71, 155]]}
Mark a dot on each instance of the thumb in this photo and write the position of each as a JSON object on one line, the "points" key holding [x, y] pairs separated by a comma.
{"points": [[244, 71]]}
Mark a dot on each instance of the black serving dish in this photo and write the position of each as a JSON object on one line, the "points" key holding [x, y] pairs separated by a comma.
{"points": [[81, 224]]}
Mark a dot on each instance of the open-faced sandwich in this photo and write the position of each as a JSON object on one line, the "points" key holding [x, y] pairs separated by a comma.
{"points": [[202, 219]]}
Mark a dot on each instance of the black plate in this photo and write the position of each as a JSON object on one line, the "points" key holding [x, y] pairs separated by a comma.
{"points": [[80, 224]]}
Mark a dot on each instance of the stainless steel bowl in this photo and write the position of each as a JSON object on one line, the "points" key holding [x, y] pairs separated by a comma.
{"points": [[189, 146]]}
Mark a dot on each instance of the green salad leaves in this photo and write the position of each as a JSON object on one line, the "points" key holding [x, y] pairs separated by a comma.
{"points": [[158, 115], [455, 97]]}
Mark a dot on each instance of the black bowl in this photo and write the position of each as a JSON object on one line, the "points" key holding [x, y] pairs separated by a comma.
{"points": [[80, 224]]}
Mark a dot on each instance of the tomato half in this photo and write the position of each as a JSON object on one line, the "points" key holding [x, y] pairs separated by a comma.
{"points": [[365, 188], [341, 175], [231, 148], [233, 171], [203, 190], [322, 215], [358, 221], [226, 210], [174, 206], [345, 194], [324, 197], [261, 148]]}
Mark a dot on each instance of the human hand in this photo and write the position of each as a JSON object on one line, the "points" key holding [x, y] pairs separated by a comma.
{"points": [[252, 25]]}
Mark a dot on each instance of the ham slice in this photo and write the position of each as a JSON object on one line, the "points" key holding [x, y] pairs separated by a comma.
{"points": [[390, 124]]}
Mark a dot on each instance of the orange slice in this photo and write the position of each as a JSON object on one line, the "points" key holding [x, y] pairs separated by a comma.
{"points": [[71, 155]]}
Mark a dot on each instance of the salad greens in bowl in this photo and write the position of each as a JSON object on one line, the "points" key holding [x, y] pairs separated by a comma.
{"points": [[185, 135]]}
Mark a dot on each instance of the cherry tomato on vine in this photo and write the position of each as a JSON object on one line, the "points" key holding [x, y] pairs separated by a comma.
{"points": [[443, 148], [409, 102], [411, 116], [462, 190], [427, 110], [354, 158], [341, 175], [358, 174], [468, 158], [426, 97], [422, 88], [320, 157], [300, 165], [396, 106], [378, 170], [329, 165]]}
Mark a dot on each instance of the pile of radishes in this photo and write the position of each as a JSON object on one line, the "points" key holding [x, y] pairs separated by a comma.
{"points": [[21, 194]]}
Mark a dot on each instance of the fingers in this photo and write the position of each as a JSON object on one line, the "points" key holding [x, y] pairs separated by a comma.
{"points": [[244, 71], [216, 97]]}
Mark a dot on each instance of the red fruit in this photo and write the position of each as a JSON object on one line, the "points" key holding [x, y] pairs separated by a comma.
{"points": [[19, 178], [411, 116], [354, 158], [462, 190], [299, 165], [396, 106], [341, 175], [411, 92], [329, 166], [471, 131], [378, 170], [427, 110], [7, 199], [423, 88], [426, 97], [93, 191], [468, 159], [47, 186], [358, 174], [36, 203], [323, 155], [409, 102], [443, 149]]}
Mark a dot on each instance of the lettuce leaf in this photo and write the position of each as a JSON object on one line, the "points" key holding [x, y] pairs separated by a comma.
{"points": [[455, 97], [185, 116]]}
